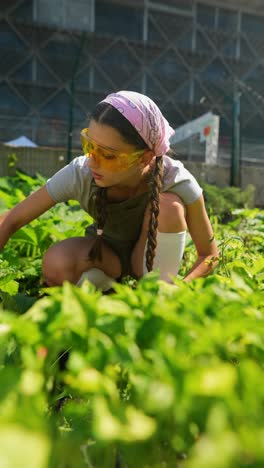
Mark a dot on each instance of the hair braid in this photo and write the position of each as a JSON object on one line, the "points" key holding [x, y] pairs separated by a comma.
{"points": [[155, 188], [101, 203]]}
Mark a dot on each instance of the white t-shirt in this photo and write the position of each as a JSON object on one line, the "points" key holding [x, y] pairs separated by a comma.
{"points": [[73, 182]]}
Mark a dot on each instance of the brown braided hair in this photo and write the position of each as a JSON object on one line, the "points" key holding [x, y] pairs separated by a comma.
{"points": [[155, 188], [100, 202]]}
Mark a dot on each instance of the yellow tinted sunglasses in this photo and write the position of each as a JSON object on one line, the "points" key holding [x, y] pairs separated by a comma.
{"points": [[111, 160]]}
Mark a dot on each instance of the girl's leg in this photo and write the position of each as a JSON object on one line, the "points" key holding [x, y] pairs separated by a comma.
{"points": [[68, 259], [170, 237]]}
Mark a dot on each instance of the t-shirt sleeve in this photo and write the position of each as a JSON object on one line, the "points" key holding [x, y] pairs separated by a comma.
{"points": [[179, 180], [68, 183], [188, 190]]}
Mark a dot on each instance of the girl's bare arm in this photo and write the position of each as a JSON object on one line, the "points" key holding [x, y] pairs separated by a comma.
{"points": [[27, 210], [202, 235]]}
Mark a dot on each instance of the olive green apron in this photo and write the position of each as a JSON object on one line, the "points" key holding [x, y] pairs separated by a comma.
{"points": [[122, 227]]}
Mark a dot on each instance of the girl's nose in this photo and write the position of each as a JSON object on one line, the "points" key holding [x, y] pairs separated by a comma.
{"points": [[93, 161]]}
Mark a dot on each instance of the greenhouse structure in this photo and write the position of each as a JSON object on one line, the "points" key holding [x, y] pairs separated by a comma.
{"points": [[59, 58]]}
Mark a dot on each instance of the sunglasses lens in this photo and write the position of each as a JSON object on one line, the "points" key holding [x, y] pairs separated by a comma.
{"points": [[107, 160]]}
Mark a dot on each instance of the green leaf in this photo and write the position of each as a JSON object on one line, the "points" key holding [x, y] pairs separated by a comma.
{"points": [[21, 447], [126, 424], [11, 287], [216, 381], [31, 382]]}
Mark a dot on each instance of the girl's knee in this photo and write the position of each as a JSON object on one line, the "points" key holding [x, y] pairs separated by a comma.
{"points": [[57, 267], [172, 213]]}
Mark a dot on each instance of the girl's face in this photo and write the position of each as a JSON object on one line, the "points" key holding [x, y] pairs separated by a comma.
{"points": [[110, 139]]}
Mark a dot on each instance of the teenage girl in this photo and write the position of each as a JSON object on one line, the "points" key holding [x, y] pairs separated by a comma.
{"points": [[141, 199]]}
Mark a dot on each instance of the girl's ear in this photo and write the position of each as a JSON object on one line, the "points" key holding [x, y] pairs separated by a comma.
{"points": [[147, 157]]}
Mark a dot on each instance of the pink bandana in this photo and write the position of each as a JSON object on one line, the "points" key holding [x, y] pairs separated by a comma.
{"points": [[146, 117]]}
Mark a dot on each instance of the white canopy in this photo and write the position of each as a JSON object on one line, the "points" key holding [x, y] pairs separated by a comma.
{"points": [[21, 141]]}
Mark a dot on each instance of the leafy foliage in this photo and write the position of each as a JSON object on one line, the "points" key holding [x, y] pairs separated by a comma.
{"points": [[153, 375], [224, 200]]}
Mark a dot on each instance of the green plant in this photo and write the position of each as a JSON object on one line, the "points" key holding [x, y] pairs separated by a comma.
{"points": [[154, 375], [222, 201]]}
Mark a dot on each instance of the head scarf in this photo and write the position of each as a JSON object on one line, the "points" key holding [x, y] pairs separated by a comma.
{"points": [[146, 117]]}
